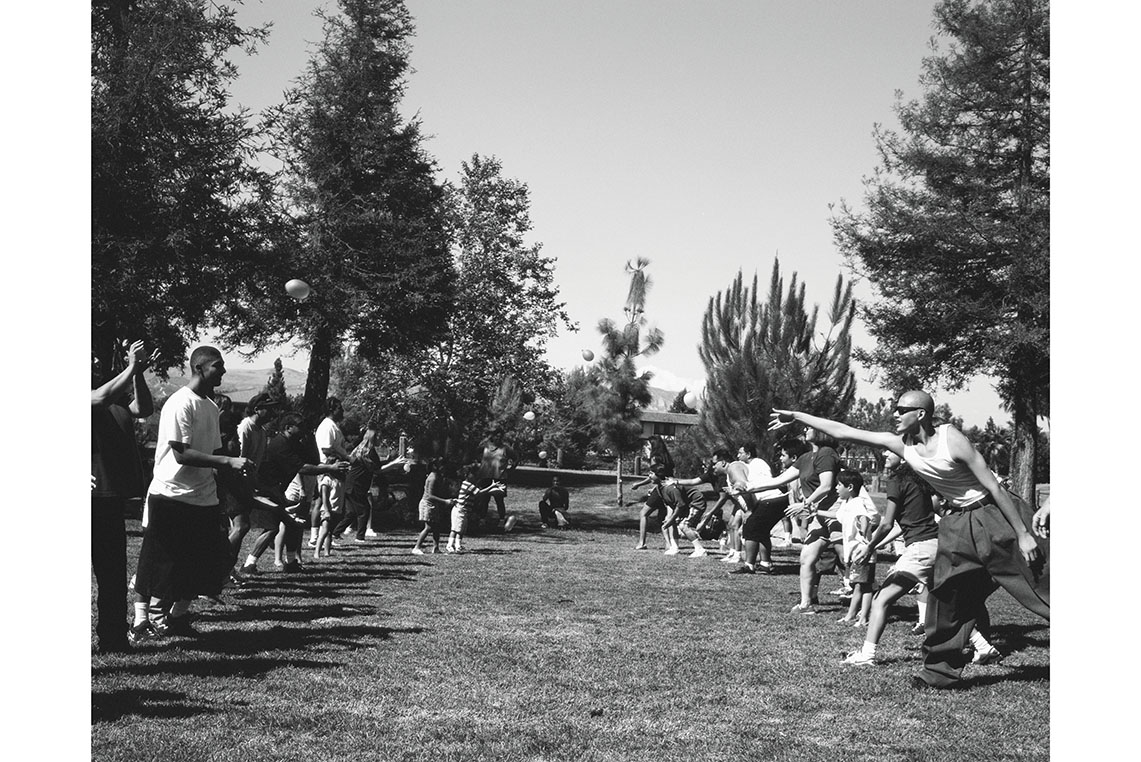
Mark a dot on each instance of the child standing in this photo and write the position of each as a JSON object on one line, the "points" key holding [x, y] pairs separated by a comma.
{"points": [[858, 518], [329, 487], [432, 504], [464, 502]]}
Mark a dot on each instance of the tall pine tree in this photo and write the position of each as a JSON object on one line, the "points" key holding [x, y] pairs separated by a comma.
{"points": [[761, 355], [955, 235]]}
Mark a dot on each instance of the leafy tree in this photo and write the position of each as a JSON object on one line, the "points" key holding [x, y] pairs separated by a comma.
{"points": [[275, 384], [370, 218], [955, 238], [178, 211], [678, 405], [993, 442], [764, 355], [621, 393], [871, 416], [506, 309]]}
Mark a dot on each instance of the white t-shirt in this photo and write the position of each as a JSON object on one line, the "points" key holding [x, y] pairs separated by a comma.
{"points": [[252, 441], [329, 436], [760, 472], [847, 511], [192, 420]]}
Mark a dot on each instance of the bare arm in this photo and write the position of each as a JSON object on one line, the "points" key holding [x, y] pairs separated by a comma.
{"points": [[187, 456], [961, 450], [789, 475], [882, 534], [131, 376], [892, 442]]}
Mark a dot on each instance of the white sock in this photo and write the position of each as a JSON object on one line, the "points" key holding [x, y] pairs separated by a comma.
{"points": [[251, 561], [922, 612], [979, 642], [869, 648], [141, 612]]}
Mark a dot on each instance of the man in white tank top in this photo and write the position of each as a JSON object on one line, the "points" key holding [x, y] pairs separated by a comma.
{"points": [[987, 531]]}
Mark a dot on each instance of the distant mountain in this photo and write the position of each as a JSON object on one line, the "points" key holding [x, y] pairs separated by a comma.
{"points": [[239, 384]]}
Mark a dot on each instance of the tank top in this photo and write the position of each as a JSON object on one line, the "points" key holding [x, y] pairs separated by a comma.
{"points": [[953, 480]]}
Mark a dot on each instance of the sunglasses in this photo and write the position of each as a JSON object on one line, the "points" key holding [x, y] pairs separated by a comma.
{"points": [[903, 410]]}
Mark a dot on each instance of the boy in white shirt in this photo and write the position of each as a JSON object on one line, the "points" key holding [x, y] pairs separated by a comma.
{"points": [[858, 517]]}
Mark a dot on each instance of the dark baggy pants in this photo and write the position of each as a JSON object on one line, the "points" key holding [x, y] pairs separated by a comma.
{"points": [[109, 563], [977, 550]]}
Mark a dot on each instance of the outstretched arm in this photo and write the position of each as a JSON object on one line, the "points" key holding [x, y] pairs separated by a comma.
{"points": [[781, 418], [960, 449], [790, 474]]}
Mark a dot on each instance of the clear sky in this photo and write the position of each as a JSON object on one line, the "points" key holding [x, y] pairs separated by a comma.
{"points": [[707, 137]]}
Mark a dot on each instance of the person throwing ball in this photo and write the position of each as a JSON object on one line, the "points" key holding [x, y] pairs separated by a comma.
{"points": [[985, 538]]}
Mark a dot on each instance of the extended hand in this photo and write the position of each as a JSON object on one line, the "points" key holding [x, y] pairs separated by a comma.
{"points": [[1041, 522], [1029, 548], [778, 419]]}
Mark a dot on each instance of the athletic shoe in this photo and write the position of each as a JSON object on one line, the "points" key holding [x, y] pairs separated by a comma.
{"points": [[843, 592], [292, 567], [180, 625], [237, 579], [990, 655], [860, 659], [764, 568], [641, 547], [673, 551], [371, 534], [742, 570], [417, 552], [313, 542], [917, 628], [798, 609], [141, 633], [699, 552], [733, 557], [248, 570]]}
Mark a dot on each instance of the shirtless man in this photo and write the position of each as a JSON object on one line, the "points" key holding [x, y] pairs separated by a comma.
{"points": [[985, 538], [497, 461]]}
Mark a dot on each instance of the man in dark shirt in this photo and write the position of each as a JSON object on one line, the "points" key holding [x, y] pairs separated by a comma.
{"points": [[554, 504], [116, 476], [291, 453]]}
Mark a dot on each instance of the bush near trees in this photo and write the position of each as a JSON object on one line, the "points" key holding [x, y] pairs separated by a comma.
{"points": [[954, 236], [763, 352]]}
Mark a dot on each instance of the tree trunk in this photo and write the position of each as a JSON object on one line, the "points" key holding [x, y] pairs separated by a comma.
{"points": [[317, 380], [619, 486], [1024, 447]]}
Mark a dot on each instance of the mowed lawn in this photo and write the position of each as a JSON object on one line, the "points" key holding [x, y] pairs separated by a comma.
{"points": [[553, 645]]}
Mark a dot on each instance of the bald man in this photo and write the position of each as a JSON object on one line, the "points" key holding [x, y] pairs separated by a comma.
{"points": [[984, 539]]}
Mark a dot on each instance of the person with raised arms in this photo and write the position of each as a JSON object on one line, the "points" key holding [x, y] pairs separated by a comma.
{"points": [[984, 539]]}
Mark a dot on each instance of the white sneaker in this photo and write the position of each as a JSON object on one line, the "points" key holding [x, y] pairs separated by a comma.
{"points": [[733, 557], [417, 552], [699, 552], [312, 542], [370, 533], [860, 659], [990, 655], [672, 551]]}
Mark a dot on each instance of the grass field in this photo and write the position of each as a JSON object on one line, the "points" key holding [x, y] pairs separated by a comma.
{"points": [[553, 645]]}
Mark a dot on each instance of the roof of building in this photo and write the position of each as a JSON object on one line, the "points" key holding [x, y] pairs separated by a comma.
{"points": [[659, 416]]}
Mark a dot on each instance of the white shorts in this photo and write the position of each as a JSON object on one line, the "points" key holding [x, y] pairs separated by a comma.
{"points": [[918, 561], [459, 520]]}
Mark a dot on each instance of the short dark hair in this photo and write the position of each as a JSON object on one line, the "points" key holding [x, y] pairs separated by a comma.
{"points": [[824, 439], [331, 405], [850, 478], [202, 355], [750, 448], [289, 419], [794, 446], [722, 453]]}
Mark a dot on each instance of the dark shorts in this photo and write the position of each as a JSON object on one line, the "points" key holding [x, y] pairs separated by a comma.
{"points": [[655, 503], [264, 519], [830, 531], [185, 551], [761, 521], [864, 574]]}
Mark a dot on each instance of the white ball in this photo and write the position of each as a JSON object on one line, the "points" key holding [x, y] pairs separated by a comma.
{"points": [[298, 289], [529, 415], [542, 454], [587, 355], [690, 400]]}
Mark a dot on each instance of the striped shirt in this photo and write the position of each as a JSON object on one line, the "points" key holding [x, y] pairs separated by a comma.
{"points": [[465, 498]]}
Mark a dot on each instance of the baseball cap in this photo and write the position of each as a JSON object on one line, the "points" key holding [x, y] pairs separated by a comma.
{"points": [[264, 401]]}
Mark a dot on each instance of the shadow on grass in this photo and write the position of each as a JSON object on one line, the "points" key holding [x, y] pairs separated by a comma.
{"points": [[1018, 637], [1022, 674], [109, 706]]}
